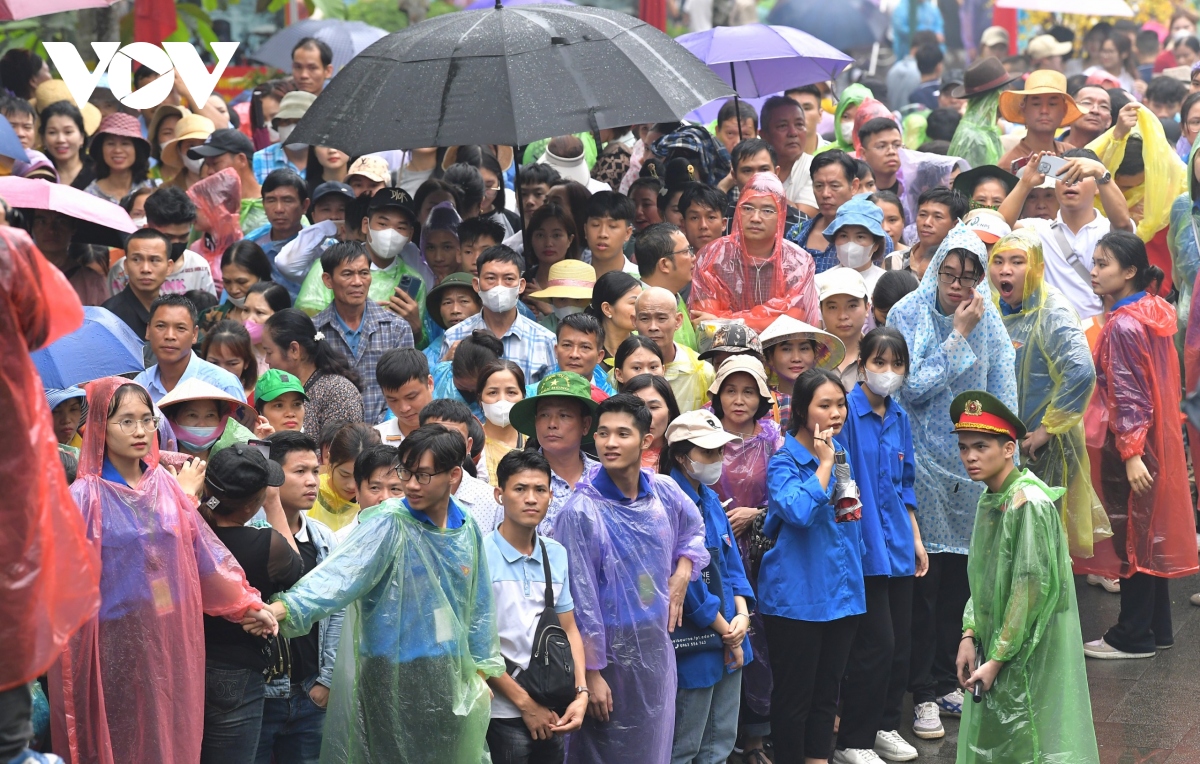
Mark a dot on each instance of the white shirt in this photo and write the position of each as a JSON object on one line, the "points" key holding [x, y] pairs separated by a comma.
{"points": [[871, 276], [389, 432], [190, 272], [479, 499], [1061, 274], [798, 188]]}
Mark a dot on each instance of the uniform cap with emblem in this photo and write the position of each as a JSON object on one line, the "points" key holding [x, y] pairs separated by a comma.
{"points": [[978, 411], [560, 384], [699, 427], [275, 383]]}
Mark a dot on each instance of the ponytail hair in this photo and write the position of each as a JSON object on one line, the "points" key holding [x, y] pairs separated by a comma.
{"points": [[1130, 252], [293, 325]]}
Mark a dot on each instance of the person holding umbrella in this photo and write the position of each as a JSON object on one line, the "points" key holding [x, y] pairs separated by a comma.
{"points": [[122, 158], [53, 233], [312, 65]]}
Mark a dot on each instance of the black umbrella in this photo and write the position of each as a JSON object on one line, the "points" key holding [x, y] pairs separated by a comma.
{"points": [[507, 76]]}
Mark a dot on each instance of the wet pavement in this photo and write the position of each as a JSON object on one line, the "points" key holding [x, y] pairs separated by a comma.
{"points": [[1145, 711]]}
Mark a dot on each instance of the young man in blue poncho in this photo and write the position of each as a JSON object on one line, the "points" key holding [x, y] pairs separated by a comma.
{"points": [[421, 624]]}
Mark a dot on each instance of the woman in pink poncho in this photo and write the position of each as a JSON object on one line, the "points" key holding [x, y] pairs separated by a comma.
{"points": [[129, 686], [218, 200]]}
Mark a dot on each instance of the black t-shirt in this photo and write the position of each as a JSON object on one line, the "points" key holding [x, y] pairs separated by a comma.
{"points": [[306, 659], [127, 307], [271, 566]]}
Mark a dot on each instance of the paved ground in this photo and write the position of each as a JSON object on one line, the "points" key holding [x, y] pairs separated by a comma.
{"points": [[1145, 711]]}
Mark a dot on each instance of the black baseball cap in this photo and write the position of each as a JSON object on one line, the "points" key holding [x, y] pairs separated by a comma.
{"points": [[241, 470], [332, 187], [227, 141], [393, 198]]}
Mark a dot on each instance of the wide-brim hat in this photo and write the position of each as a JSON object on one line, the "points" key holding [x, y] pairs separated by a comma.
{"points": [[161, 113], [978, 411], [983, 76], [746, 364], [831, 351], [118, 124], [434, 296], [560, 384], [1041, 82], [503, 154], [965, 182], [53, 91], [198, 390], [569, 279], [857, 212], [192, 126], [294, 105]]}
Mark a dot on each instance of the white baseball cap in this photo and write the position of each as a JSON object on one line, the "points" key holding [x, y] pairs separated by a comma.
{"points": [[841, 280]]}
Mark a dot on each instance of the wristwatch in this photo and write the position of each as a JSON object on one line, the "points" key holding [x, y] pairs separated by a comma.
{"points": [[582, 689], [1104, 179]]}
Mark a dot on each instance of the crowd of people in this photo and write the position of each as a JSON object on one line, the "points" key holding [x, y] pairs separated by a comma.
{"points": [[646, 445]]}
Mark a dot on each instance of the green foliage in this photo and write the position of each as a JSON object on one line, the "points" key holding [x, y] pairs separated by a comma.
{"points": [[384, 14], [19, 34], [440, 8]]}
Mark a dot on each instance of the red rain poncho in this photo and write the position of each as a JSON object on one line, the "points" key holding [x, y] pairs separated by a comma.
{"points": [[218, 200], [1135, 411], [129, 687], [728, 284], [50, 574]]}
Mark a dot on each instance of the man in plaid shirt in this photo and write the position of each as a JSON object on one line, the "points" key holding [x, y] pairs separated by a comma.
{"points": [[354, 325]]}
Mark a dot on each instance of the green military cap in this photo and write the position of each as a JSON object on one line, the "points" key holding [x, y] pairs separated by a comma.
{"points": [[978, 411], [560, 384], [433, 299]]}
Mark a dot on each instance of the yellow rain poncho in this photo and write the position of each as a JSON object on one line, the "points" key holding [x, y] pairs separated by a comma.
{"points": [[1055, 379]]}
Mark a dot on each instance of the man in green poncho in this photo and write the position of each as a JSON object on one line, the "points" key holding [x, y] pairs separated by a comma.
{"points": [[420, 631], [977, 138], [1022, 612]]}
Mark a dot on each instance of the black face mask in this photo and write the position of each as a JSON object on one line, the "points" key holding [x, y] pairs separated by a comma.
{"points": [[468, 396], [177, 249]]}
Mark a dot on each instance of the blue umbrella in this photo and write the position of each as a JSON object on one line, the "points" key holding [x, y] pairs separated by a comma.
{"points": [[103, 347], [10, 144], [846, 24], [346, 38]]}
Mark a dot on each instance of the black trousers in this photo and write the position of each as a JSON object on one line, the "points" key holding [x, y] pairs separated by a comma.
{"points": [[808, 659], [1145, 619], [16, 725], [877, 669], [939, 598]]}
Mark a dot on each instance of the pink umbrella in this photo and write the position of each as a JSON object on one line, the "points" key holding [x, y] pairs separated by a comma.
{"points": [[14, 10], [99, 221]]}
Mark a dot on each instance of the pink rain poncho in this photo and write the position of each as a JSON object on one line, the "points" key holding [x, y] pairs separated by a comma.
{"points": [[621, 554], [129, 687], [1135, 411], [50, 574], [728, 283], [218, 200]]}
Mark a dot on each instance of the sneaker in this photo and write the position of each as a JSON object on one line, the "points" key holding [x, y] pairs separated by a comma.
{"points": [[890, 745], [856, 756], [927, 722], [951, 703], [1104, 651], [1110, 585]]}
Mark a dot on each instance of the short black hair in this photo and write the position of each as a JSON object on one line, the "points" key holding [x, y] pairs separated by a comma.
{"points": [[928, 57], [321, 46], [473, 229], [11, 106], [702, 195], [1132, 163], [773, 103], [951, 199], [811, 90], [874, 126], [646, 181], [611, 204], [654, 243], [520, 460], [803, 391], [1165, 90], [282, 178], [475, 352], [343, 251], [765, 405], [500, 254], [923, 37], [1147, 42], [881, 339], [169, 206], [250, 257], [373, 458], [940, 124], [449, 449], [1082, 153], [148, 233], [627, 403], [446, 410], [748, 148], [399, 366], [287, 441], [584, 323], [892, 286], [848, 163], [734, 107], [535, 173], [175, 301], [631, 345]]}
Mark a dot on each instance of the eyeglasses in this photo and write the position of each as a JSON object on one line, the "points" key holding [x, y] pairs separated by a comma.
{"points": [[749, 210], [688, 250], [148, 424], [1193, 124], [489, 191], [1096, 106], [422, 477], [949, 278]]}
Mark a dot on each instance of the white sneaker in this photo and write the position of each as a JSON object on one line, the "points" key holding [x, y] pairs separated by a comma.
{"points": [[856, 756], [1104, 651], [890, 745], [927, 721], [1110, 585], [951, 703]]}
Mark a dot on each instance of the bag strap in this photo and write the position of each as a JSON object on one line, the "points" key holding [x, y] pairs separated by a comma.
{"points": [[1068, 253], [546, 568]]}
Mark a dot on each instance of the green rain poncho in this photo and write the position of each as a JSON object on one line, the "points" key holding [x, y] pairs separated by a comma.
{"points": [[1055, 379], [420, 628], [977, 138], [851, 96], [1023, 611]]}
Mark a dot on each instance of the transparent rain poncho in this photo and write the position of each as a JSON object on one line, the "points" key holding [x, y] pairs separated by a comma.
{"points": [[420, 630], [129, 687], [1055, 378], [1183, 241], [1135, 411], [1024, 613], [977, 137], [944, 364], [218, 200], [728, 284], [315, 297], [621, 555], [851, 96]]}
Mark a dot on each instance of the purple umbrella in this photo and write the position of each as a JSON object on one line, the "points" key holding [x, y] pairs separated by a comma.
{"points": [[480, 5]]}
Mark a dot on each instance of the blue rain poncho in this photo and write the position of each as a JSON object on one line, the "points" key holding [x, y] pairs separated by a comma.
{"points": [[621, 553], [944, 364], [1055, 376], [1183, 241], [420, 630]]}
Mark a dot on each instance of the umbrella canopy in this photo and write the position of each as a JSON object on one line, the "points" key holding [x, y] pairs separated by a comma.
{"points": [[1080, 7], [507, 76], [480, 5], [99, 221], [14, 10], [846, 24], [346, 38], [104, 346], [757, 59]]}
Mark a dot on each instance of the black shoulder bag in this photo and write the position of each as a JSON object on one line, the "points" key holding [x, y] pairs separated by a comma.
{"points": [[550, 678]]}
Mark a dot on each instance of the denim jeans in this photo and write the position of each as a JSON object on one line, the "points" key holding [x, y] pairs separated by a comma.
{"points": [[510, 743], [706, 722], [291, 729], [233, 711]]}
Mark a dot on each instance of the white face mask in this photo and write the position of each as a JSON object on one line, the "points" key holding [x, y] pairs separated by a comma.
{"points": [[193, 165], [295, 147], [282, 133], [139, 222], [497, 413], [273, 135], [563, 311], [387, 243], [500, 299], [705, 473], [854, 255], [846, 130], [884, 383], [239, 302]]}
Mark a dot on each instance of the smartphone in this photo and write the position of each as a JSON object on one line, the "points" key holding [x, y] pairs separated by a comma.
{"points": [[262, 446], [410, 285], [1051, 165]]}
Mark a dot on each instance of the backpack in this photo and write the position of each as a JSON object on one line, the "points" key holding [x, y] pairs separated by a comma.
{"points": [[550, 678]]}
